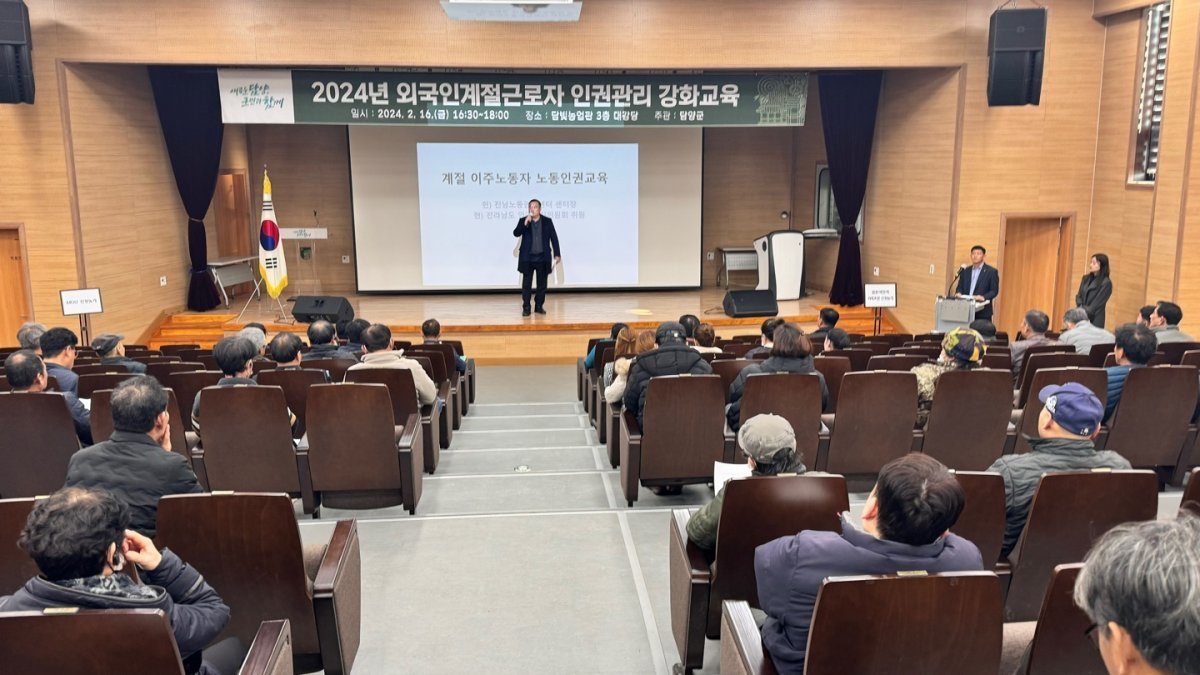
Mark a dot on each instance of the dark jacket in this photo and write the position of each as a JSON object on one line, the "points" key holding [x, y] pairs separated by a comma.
{"points": [[353, 349], [196, 612], [988, 285], [326, 351], [66, 378], [1093, 295], [129, 364], [1023, 472], [672, 359], [789, 572], [774, 364], [550, 248], [137, 471]]}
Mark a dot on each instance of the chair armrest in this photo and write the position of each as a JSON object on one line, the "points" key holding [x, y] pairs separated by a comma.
{"points": [[631, 455], [272, 647], [697, 564], [741, 643], [308, 498], [339, 553], [918, 441], [691, 587], [199, 467], [412, 427], [337, 598], [731, 449]]}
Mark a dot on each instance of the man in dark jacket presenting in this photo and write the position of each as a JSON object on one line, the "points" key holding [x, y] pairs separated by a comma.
{"points": [[673, 357], [539, 246]]}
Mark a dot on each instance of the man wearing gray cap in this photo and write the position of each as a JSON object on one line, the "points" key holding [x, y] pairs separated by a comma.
{"points": [[111, 351], [770, 446], [673, 357]]}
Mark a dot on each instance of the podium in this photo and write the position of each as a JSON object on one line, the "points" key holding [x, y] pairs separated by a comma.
{"points": [[953, 313], [781, 264]]}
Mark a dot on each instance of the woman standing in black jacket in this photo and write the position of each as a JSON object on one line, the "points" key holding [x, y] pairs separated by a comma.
{"points": [[1095, 289]]}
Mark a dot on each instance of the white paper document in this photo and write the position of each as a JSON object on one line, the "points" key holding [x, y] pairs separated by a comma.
{"points": [[724, 472]]}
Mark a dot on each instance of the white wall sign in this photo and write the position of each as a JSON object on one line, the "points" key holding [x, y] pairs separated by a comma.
{"points": [[304, 233], [256, 96], [880, 295], [81, 301]]}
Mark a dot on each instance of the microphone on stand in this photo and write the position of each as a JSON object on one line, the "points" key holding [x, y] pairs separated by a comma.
{"points": [[961, 268]]}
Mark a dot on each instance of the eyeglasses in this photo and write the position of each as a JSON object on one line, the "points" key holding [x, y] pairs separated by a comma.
{"points": [[1093, 634]]}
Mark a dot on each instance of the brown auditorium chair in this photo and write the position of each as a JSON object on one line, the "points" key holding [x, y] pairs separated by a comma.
{"points": [[248, 546], [192, 354], [928, 337], [1191, 494], [335, 367], [210, 362], [874, 423], [581, 372], [998, 361], [834, 368], [16, 567], [38, 441], [876, 348], [755, 511], [749, 338], [1059, 640], [1174, 351], [1150, 425], [246, 443], [761, 356], [968, 422], [856, 337], [1043, 349], [457, 380], [445, 427], [682, 435], [176, 350], [295, 384], [929, 352], [1159, 359], [738, 349], [898, 362], [1036, 362], [1002, 337], [741, 642], [358, 457], [119, 640], [859, 358], [728, 370], [1026, 420], [709, 357], [186, 384], [92, 383], [613, 439], [1190, 358], [149, 359], [982, 519], [262, 365], [1070, 510], [818, 346], [182, 442], [159, 371], [98, 369], [892, 339], [1098, 353], [593, 374], [794, 396], [470, 374], [444, 374], [402, 390], [596, 416]]}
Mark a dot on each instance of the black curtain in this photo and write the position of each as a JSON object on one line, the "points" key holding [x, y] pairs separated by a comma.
{"points": [[849, 100], [189, 112]]}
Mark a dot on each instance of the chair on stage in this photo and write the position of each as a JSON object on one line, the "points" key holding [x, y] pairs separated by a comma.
{"points": [[38, 441], [401, 389]]}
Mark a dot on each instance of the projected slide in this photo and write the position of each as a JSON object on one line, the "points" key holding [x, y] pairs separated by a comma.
{"points": [[471, 196]]}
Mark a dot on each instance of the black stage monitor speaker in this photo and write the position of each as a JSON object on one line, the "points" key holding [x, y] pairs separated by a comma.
{"points": [[334, 308], [750, 303], [16, 47], [1016, 49]]}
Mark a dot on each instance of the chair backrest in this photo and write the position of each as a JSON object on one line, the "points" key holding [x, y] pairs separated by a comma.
{"points": [[16, 567], [834, 368], [98, 368], [738, 349], [458, 346], [968, 423], [159, 371], [606, 357], [186, 385], [102, 421], [335, 367], [874, 346], [36, 445], [1042, 349], [438, 361], [683, 426], [998, 361], [295, 384], [426, 364], [893, 339], [147, 358], [400, 384], [1070, 510], [447, 353], [929, 352], [1151, 421], [874, 423], [106, 640], [855, 337], [920, 615], [898, 362], [928, 337], [192, 354], [247, 439], [1174, 351], [1060, 642], [1159, 359], [92, 383], [982, 519], [352, 438], [1191, 493], [1092, 378], [728, 370], [1190, 358], [760, 509], [600, 347], [859, 358], [1098, 353], [248, 547], [1036, 362], [794, 396], [176, 350]]}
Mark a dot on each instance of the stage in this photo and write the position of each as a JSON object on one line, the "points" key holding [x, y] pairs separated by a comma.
{"points": [[491, 326]]}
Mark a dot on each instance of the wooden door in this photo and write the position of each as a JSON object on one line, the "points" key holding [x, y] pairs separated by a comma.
{"points": [[1033, 271], [14, 297]]}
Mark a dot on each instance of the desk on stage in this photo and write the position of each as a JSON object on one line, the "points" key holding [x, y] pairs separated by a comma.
{"points": [[736, 259], [233, 270]]}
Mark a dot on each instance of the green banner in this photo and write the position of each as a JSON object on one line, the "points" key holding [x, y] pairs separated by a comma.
{"points": [[487, 99]]}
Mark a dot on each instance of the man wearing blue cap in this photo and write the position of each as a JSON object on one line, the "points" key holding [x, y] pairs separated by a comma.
{"points": [[1066, 429]]}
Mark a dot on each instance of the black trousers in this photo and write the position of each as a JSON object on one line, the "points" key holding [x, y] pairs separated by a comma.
{"points": [[541, 271]]}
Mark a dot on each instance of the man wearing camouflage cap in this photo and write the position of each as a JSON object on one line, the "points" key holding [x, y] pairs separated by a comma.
{"points": [[962, 349], [770, 446]]}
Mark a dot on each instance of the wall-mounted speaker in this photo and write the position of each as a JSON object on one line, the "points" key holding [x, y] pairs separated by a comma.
{"points": [[1016, 50], [16, 53], [750, 303]]}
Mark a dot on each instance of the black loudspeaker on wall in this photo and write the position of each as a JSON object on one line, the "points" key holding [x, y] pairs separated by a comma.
{"points": [[1016, 49], [16, 48], [750, 303], [309, 308]]}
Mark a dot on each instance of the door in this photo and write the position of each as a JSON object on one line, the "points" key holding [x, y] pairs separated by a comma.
{"points": [[1034, 269], [14, 292], [231, 208]]}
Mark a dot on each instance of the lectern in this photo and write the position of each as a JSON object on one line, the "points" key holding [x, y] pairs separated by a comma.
{"points": [[953, 313], [781, 264]]}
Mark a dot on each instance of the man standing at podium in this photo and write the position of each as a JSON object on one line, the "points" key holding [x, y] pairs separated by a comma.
{"points": [[980, 282]]}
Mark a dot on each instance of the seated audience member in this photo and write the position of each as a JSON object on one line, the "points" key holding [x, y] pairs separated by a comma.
{"points": [[235, 356], [1134, 346], [791, 352], [828, 319], [29, 336], [1140, 586], [985, 328], [962, 349], [353, 336], [377, 345], [672, 357], [590, 359], [261, 328], [905, 527], [136, 464], [770, 446], [623, 357], [765, 341], [690, 323], [284, 350], [1066, 429], [340, 328], [1081, 333], [111, 350], [1164, 321], [26, 374], [257, 338], [58, 352], [1033, 330], [706, 339], [80, 540], [837, 338], [320, 337], [1144, 314], [431, 332]]}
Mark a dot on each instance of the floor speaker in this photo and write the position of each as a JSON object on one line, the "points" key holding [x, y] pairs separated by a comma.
{"points": [[750, 303], [332, 308], [16, 58], [1016, 49]]}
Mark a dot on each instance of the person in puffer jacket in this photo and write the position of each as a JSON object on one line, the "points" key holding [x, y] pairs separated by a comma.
{"points": [[673, 357], [791, 352]]}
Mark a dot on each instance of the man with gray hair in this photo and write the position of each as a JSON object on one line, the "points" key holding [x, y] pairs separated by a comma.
{"points": [[1140, 586], [29, 335], [257, 338], [1081, 333]]}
